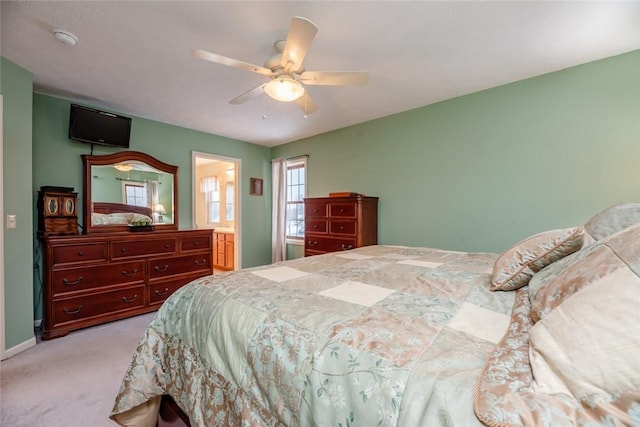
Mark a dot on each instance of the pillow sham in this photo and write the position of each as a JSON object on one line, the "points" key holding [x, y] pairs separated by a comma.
{"points": [[514, 267], [140, 218], [550, 287], [586, 345], [613, 219], [119, 218], [98, 218]]}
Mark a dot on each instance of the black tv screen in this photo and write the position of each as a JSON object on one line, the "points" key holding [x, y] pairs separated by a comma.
{"points": [[98, 127]]}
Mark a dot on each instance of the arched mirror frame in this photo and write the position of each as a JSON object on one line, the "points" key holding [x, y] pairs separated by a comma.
{"points": [[110, 159]]}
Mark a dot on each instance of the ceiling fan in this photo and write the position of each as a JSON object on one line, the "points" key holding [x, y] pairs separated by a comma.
{"points": [[286, 70]]}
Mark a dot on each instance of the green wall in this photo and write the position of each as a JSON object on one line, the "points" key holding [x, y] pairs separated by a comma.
{"points": [[57, 161], [477, 172], [17, 88], [480, 172]]}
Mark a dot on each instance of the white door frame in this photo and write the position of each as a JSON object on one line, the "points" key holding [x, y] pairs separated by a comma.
{"points": [[2, 310], [237, 247]]}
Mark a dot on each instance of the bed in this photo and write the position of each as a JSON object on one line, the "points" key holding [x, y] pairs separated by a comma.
{"points": [[545, 333], [107, 213]]}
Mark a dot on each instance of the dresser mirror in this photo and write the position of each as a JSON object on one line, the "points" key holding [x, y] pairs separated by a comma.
{"points": [[129, 189]]}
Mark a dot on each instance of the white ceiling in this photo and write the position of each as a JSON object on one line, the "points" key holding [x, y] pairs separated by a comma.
{"points": [[134, 57]]}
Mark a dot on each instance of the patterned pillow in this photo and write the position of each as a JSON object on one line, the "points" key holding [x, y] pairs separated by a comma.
{"points": [[612, 220], [587, 344], [514, 267], [548, 288]]}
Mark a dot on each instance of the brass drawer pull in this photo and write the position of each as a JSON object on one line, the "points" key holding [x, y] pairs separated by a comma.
{"points": [[167, 245], [160, 293], [76, 311], [123, 249], [161, 269], [315, 225], [196, 243], [346, 248], [80, 253], [125, 299], [67, 282], [312, 243], [203, 262], [342, 227], [133, 273]]}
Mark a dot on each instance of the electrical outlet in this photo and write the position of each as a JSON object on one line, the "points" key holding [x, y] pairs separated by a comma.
{"points": [[11, 221]]}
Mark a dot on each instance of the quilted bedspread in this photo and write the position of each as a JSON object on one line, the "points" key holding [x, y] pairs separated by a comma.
{"points": [[381, 335]]}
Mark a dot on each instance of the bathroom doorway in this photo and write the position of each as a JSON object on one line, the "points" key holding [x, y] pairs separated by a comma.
{"points": [[216, 205]]}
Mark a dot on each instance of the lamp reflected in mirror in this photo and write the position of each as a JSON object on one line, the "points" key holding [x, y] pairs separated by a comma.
{"points": [[158, 211]]}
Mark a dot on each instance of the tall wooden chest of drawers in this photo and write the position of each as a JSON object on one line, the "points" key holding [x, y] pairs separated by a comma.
{"points": [[339, 223], [93, 279]]}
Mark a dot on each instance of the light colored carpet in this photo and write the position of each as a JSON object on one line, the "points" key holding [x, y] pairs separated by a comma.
{"points": [[70, 381]]}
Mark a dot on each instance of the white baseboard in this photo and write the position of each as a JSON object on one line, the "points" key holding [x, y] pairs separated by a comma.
{"points": [[19, 348]]}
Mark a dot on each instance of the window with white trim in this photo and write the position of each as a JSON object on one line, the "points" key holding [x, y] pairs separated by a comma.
{"points": [[135, 194], [296, 192], [211, 188]]}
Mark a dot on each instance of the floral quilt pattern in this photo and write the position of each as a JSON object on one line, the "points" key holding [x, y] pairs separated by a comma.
{"points": [[380, 335]]}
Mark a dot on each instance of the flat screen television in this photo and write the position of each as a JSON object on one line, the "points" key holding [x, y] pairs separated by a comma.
{"points": [[98, 127]]}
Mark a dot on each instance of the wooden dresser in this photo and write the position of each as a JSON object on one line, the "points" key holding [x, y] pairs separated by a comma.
{"points": [[339, 223], [97, 278]]}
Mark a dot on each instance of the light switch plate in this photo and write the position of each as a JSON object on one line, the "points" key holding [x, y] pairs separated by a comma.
{"points": [[11, 221]]}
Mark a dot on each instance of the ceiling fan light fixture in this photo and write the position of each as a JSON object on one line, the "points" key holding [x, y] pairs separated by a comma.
{"points": [[123, 167], [284, 89]]}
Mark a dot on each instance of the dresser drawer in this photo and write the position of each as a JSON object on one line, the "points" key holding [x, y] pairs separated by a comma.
{"points": [[316, 226], [163, 267], [128, 249], [315, 210], [195, 243], [82, 252], [160, 291], [78, 279], [328, 244], [81, 307], [347, 210], [343, 227]]}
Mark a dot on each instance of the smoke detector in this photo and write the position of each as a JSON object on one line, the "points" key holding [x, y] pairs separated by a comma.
{"points": [[65, 37]]}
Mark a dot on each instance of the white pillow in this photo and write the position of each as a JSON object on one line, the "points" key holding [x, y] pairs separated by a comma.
{"points": [[588, 345]]}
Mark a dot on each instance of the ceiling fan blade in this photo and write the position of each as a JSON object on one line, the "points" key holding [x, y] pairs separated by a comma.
{"points": [[219, 59], [306, 103], [256, 91], [334, 78], [301, 34]]}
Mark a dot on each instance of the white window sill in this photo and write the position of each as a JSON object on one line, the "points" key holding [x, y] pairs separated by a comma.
{"points": [[299, 242]]}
